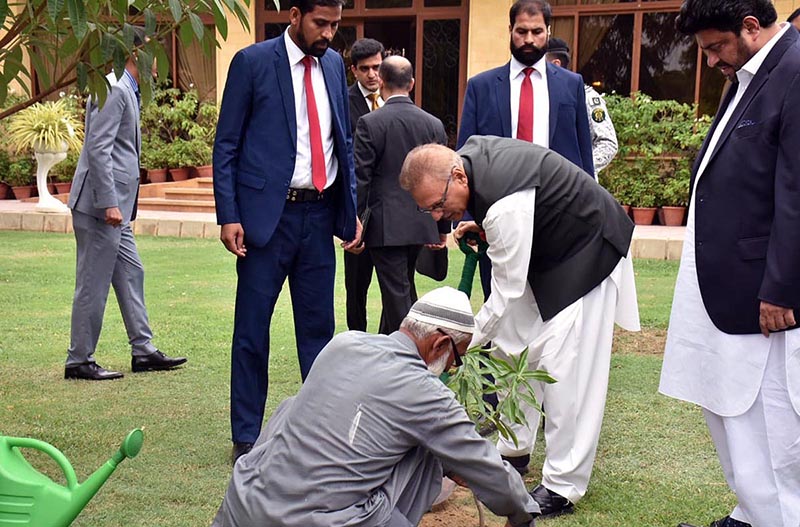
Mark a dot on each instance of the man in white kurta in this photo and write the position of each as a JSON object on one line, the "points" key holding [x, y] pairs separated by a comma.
{"points": [[745, 381], [529, 203]]}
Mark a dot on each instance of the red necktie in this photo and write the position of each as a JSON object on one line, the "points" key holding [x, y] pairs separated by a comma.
{"points": [[318, 175], [525, 121]]}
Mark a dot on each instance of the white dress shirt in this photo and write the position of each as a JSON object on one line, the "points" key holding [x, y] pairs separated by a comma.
{"points": [[541, 100], [301, 178], [366, 93], [716, 370]]}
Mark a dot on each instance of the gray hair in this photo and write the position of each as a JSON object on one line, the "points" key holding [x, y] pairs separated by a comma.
{"points": [[423, 330], [431, 160]]}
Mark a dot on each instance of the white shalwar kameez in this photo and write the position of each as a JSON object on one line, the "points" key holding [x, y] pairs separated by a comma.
{"points": [[742, 382], [574, 346]]}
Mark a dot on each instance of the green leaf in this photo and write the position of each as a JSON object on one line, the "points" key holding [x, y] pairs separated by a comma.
{"points": [[186, 33], [197, 25], [162, 61], [120, 58], [176, 9], [68, 47], [41, 69], [149, 21], [82, 77], [220, 20], [3, 14], [3, 91], [77, 17], [54, 8]]}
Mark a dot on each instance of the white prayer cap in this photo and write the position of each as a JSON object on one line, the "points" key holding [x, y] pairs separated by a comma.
{"points": [[445, 308]]}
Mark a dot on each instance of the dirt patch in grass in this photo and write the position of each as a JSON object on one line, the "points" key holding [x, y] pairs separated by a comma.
{"points": [[646, 342], [459, 511]]}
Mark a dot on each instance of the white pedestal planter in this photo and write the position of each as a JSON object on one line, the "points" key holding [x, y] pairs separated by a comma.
{"points": [[44, 162]]}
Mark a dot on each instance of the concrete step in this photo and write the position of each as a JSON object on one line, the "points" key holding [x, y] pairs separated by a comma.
{"points": [[189, 194], [176, 205], [205, 182]]}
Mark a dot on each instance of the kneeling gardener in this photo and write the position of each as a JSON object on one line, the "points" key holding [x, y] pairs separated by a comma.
{"points": [[371, 432]]}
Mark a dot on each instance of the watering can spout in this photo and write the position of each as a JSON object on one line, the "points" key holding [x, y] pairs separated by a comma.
{"points": [[84, 492], [29, 498]]}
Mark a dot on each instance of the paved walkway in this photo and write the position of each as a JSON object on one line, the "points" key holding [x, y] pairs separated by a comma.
{"points": [[663, 243]]}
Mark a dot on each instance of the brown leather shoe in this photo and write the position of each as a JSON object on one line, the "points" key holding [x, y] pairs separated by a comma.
{"points": [[91, 371], [155, 361], [550, 503]]}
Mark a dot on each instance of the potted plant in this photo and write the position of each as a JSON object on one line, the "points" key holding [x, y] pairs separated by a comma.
{"points": [[64, 172], [155, 158], [675, 198], [49, 129], [20, 178], [644, 190], [202, 132], [5, 162], [180, 159]]}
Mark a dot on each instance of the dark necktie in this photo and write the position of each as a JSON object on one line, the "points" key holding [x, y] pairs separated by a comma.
{"points": [[525, 118], [318, 176]]}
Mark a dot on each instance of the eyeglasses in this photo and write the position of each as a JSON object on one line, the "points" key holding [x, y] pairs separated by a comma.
{"points": [[456, 357], [439, 204]]}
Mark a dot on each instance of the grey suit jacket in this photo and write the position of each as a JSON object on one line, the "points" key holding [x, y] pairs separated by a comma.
{"points": [[382, 140], [108, 168]]}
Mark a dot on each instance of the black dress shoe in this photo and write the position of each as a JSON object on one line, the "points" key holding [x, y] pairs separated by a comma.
{"points": [[240, 449], [155, 361], [91, 371], [727, 521], [520, 463], [550, 503]]}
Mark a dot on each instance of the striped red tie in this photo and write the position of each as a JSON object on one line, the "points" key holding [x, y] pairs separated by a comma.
{"points": [[318, 176]]}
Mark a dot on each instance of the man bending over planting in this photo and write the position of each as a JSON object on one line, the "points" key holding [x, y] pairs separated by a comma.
{"points": [[366, 441]]}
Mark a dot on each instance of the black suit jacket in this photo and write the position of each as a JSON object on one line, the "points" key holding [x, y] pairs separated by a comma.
{"points": [[382, 140], [358, 105], [747, 201]]}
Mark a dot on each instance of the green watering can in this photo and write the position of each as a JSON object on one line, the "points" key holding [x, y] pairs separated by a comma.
{"points": [[29, 498]]}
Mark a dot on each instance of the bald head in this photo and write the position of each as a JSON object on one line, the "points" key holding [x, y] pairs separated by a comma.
{"points": [[397, 76], [431, 161]]}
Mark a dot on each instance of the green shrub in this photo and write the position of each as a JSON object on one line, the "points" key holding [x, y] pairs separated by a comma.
{"points": [[21, 172], [658, 142]]}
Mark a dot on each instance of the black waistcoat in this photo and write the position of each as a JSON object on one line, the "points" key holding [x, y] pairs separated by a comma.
{"points": [[580, 232]]}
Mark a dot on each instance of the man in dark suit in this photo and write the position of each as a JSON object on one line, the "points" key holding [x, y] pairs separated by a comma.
{"points": [[103, 203], [366, 55], [561, 276], [528, 98], [498, 101], [396, 230], [284, 186], [733, 346]]}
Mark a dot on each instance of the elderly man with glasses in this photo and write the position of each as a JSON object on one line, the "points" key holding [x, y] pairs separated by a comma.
{"points": [[368, 437], [561, 276]]}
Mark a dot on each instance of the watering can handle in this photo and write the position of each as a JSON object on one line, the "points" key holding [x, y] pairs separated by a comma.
{"points": [[50, 450]]}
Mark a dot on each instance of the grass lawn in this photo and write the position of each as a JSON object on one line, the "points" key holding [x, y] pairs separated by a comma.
{"points": [[656, 465]]}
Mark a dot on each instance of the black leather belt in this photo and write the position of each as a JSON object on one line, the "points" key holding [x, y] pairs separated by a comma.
{"points": [[301, 195]]}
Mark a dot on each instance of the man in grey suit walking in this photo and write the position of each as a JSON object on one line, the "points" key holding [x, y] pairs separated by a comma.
{"points": [[396, 230], [103, 203]]}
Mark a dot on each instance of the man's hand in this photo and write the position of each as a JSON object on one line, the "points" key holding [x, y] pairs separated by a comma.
{"points": [[775, 318], [437, 246], [232, 236], [464, 227], [356, 245], [113, 216]]}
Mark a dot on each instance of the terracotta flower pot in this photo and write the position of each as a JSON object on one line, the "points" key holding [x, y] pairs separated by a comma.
{"points": [[157, 175], [24, 191], [51, 187], [627, 209], [5, 190], [644, 215], [63, 187], [203, 171], [179, 174], [672, 216]]}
